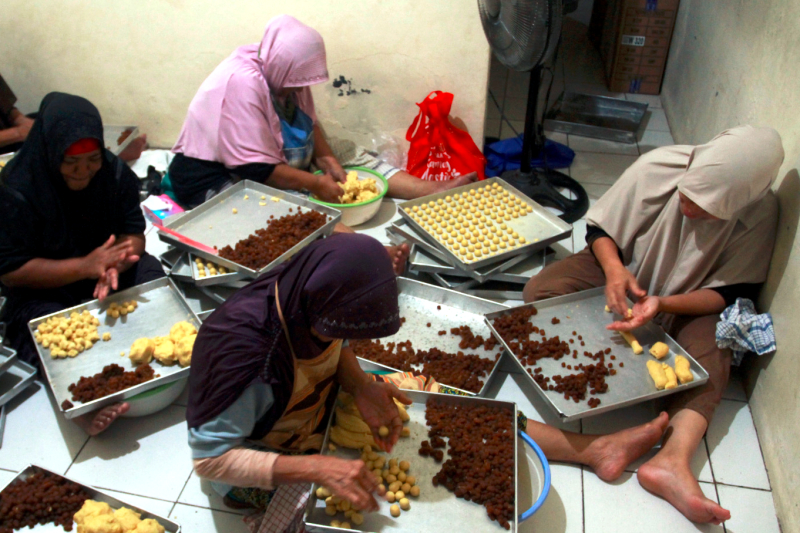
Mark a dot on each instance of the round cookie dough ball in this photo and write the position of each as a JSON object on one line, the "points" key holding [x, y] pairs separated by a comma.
{"points": [[183, 350], [142, 351]]}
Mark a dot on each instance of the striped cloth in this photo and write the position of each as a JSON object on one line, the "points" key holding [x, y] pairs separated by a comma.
{"points": [[743, 330]]}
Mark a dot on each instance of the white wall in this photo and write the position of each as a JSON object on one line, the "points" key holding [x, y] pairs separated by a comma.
{"points": [[141, 62], [736, 63]]}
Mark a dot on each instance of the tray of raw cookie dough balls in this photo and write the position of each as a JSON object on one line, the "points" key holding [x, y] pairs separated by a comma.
{"points": [[99, 353], [72, 503], [483, 223], [205, 272], [432, 482]]}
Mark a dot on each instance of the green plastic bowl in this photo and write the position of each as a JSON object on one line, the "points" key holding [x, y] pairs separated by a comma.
{"points": [[355, 214], [155, 400]]}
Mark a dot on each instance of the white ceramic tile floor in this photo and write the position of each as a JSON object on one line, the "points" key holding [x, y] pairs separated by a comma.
{"points": [[751, 510], [652, 139], [200, 520], [734, 448], [625, 507], [587, 144], [562, 512], [603, 169], [198, 492], [656, 119]]}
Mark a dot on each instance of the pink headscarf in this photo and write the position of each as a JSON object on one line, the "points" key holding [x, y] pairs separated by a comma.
{"points": [[231, 119]]}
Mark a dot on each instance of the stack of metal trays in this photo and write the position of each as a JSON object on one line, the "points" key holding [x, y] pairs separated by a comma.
{"points": [[532, 226], [98, 496], [160, 306], [234, 215]]}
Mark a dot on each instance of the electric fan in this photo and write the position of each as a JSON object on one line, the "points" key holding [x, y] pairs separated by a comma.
{"points": [[523, 35]]}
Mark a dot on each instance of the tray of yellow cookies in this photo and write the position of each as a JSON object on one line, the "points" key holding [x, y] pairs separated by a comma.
{"points": [[99, 353]]}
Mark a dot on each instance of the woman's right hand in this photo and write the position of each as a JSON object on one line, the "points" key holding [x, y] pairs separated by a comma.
{"points": [[327, 189], [104, 257], [350, 480], [619, 281]]}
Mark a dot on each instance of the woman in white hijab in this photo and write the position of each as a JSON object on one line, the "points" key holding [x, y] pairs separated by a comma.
{"points": [[685, 230]]}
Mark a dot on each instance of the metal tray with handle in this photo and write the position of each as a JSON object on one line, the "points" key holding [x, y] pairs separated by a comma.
{"points": [[214, 223], [160, 306], [584, 312], [96, 495]]}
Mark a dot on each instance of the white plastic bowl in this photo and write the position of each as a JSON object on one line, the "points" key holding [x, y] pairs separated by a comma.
{"points": [[155, 400], [355, 214]]}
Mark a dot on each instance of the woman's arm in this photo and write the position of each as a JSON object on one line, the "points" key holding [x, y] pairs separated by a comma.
{"points": [[619, 279], [349, 373], [324, 158], [699, 303], [137, 244], [322, 186]]}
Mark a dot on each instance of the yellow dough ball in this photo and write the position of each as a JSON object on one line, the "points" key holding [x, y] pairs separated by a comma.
{"points": [[127, 518], [183, 350], [142, 351], [181, 330]]}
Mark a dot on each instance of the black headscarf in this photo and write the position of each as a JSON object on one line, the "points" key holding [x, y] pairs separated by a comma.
{"points": [[42, 217], [343, 286]]}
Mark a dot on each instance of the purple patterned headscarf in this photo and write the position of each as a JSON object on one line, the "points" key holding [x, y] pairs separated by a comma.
{"points": [[343, 287]]}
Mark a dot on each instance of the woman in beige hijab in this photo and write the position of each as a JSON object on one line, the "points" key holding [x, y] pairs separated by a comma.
{"points": [[685, 231]]}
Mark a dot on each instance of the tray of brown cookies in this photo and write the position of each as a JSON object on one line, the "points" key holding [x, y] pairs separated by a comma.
{"points": [[483, 223], [99, 353]]}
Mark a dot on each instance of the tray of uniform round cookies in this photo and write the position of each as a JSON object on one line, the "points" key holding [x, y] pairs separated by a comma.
{"points": [[205, 272], [70, 504], [99, 353], [582, 369], [433, 475], [483, 223]]}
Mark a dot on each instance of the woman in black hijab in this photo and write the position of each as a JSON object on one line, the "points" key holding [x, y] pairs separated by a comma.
{"points": [[72, 228]]}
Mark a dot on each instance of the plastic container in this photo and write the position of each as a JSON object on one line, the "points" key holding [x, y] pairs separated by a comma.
{"points": [[355, 214]]}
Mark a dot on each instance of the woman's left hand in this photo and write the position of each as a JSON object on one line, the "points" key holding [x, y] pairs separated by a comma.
{"points": [[110, 280], [375, 401], [643, 312], [330, 165]]}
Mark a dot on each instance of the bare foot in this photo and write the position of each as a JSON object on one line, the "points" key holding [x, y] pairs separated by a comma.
{"points": [[466, 179], [675, 483], [399, 255], [99, 421], [134, 150], [610, 454]]}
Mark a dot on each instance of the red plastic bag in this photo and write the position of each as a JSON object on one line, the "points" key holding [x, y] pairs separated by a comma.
{"points": [[439, 151]]}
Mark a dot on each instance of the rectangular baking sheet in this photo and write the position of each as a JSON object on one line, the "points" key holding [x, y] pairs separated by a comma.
{"points": [[217, 279], [518, 269], [540, 227], [112, 133], [418, 305], [218, 293], [436, 508], [15, 379], [182, 270], [439, 263], [584, 313], [96, 495], [171, 256], [161, 306], [214, 224], [7, 358], [453, 283], [601, 117]]}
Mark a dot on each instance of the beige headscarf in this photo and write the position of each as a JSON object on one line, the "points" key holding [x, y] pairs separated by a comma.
{"points": [[730, 177]]}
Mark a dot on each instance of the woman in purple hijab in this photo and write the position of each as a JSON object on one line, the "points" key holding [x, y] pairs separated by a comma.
{"points": [[265, 368]]}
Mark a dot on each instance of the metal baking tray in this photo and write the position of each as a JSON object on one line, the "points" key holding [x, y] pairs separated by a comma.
{"points": [[112, 133], [219, 279], [182, 270], [15, 379], [520, 269], [400, 227], [161, 305], [7, 358], [601, 117], [453, 283], [418, 305], [171, 256], [436, 508], [500, 290], [540, 227], [584, 312], [198, 301], [96, 495], [218, 293], [214, 224]]}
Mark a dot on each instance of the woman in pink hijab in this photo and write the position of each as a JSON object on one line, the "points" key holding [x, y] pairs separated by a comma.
{"points": [[686, 230], [253, 118]]}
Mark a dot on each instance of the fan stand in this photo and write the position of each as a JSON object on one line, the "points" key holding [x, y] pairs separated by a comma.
{"points": [[541, 184]]}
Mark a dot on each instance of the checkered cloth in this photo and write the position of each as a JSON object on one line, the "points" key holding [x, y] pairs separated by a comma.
{"points": [[743, 330], [285, 511]]}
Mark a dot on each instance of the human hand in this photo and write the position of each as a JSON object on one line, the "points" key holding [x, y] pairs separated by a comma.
{"points": [[643, 312], [330, 165], [110, 279], [23, 126], [619, 281], [350, 480], [327, 189], [375, 402], [106, 256]]}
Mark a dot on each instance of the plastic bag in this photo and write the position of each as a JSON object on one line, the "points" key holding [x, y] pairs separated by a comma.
{"points": [[439, 151], [390, 149]]}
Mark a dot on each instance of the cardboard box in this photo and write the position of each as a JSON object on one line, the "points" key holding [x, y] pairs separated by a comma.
{"points": [[633, 37]]}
